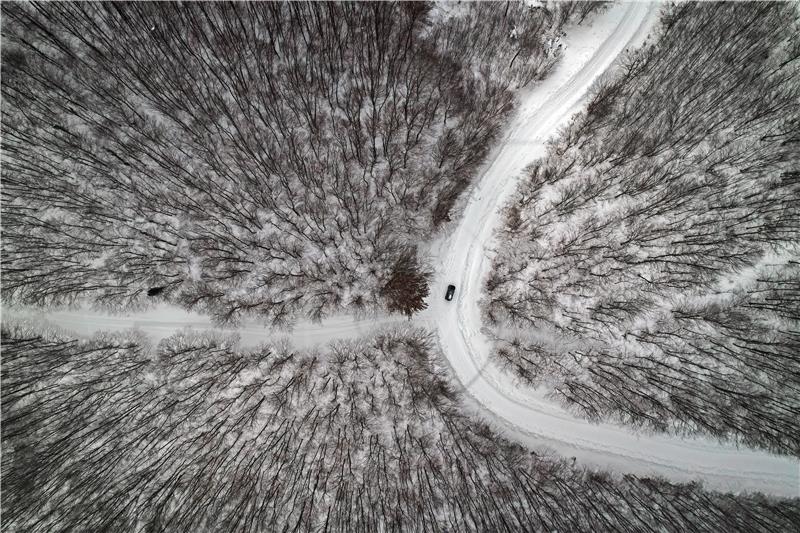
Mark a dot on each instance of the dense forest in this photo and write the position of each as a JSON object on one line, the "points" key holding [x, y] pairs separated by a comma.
{"points": [[285, 160], [271, 159], [111, 434], [649, 267]]}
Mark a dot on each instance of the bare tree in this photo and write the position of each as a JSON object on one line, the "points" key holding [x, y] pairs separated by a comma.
{"points": [[657, 243], [257, 158], [197, 435]]}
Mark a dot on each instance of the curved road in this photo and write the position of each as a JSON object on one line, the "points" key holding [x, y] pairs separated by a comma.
{"points": [[523, 414]]}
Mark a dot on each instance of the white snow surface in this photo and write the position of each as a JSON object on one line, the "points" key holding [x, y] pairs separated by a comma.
{"points": [[463, 258]]}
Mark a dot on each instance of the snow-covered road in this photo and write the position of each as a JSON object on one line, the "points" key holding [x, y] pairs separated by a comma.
{"points": [[463, 259]]}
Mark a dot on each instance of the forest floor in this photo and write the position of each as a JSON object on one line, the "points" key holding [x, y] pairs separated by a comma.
{"points": [[462, 256]]}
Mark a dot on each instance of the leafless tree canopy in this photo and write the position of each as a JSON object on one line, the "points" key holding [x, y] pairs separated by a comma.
{"points": [[286, 159], [656, 250], [196, 435], [271, 159]]}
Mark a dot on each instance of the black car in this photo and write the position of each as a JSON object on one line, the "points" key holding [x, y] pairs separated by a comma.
{"points": [[451, 290]]}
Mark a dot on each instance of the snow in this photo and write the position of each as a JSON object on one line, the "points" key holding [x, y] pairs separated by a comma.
{"points": [[527, 415], [165, 320], [463, 258]]}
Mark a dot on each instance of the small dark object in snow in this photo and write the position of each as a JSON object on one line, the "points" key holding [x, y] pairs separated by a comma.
{"points": [[451, 290], [154, 291]]}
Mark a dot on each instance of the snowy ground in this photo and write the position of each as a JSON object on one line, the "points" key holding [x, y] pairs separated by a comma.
{"points": [[524, 413], [463, 258], [163, 321]]}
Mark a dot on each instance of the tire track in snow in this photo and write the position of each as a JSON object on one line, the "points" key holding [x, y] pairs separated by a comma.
{"points": [[523, 414]]}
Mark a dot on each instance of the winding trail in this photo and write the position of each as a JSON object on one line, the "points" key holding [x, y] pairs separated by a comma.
{"points": [[464, 258], [525, 414]]}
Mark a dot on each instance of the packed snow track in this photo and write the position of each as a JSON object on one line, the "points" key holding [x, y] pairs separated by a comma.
{"points": [[464, 258]]}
